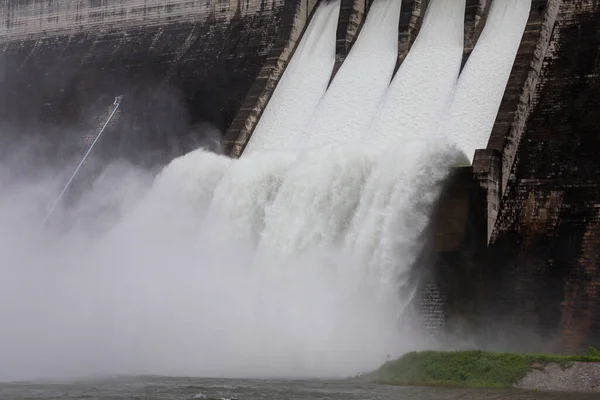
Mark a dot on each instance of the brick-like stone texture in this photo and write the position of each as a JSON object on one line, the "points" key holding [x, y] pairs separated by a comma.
{"points": [[543, 264], [517, 101], [476, 13]]}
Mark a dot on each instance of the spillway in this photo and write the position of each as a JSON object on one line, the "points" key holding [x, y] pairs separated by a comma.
{"points": [[474, 106], [424, 83], [294, 260], [302, 85], [354, 95]]}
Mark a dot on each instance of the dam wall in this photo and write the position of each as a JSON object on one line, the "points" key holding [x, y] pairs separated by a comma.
{"points": [[542, 266], [183, 68], [537, 280]]}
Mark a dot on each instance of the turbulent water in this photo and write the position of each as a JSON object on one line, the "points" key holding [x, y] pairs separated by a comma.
{"points": [[293, 261], [158, 388], [274, 265]]}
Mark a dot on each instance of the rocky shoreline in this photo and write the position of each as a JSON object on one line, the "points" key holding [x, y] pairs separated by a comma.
{"points": [[575, 377], [481, 369]]}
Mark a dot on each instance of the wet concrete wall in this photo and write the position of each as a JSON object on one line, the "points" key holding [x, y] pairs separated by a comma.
{"points": [[183, 67], [543, 268]]}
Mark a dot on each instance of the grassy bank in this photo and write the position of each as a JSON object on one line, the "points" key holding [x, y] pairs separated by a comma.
{"points": [[467, 368]]}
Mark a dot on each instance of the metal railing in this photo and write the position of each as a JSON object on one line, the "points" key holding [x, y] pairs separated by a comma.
{"points": [[116, 105]]}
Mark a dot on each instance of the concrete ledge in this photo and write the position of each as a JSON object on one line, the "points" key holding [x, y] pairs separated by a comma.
{"points": [[43, 18]]}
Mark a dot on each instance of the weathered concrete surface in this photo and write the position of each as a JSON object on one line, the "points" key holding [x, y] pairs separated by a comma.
{"points": [[179, 64], [41, 18], [242, 126], [543, 264]]}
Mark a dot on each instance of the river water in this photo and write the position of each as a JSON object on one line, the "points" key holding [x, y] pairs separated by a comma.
{"points": [[164, 388]]}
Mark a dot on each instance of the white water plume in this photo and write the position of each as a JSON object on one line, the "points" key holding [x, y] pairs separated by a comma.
{"points": [[310, 288]]}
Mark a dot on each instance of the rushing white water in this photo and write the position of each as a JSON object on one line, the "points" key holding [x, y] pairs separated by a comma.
{"points": [[425, 81], [273, 265], [354, 95], [302, 85], [482, 83]]}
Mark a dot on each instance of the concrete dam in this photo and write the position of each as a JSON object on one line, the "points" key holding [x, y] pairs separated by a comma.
{"points": [[513, 241]]}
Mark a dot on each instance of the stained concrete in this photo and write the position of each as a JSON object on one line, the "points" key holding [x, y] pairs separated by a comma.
{"points": [[542, 267], [183, 68]]}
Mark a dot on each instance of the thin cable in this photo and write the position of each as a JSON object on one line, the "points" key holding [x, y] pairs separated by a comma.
{"points": [[117, 103]]}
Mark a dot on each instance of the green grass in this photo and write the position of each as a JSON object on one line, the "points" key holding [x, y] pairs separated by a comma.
{"points": [[468, 368]]}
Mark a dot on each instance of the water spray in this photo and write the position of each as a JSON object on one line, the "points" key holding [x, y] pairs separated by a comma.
{"points": [[116, 105]]}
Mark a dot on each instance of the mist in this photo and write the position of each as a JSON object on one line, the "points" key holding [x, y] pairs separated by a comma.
{"points": [[215, 267]]}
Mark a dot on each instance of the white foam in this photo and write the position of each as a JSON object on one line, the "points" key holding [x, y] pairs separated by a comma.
{"points": [[425, 81], [482, 83], [353, 97], [302, 85]]}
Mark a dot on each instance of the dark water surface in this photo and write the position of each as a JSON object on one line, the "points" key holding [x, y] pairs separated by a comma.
{"points": [[154, 388]]}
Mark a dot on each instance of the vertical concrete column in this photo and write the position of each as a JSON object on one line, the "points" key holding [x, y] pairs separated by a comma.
{"points": [[476, 13], [352, 17], [487, 169], [296, 15], [411, 18]]}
